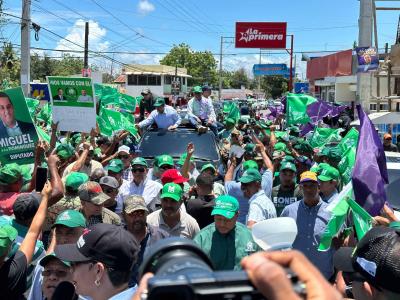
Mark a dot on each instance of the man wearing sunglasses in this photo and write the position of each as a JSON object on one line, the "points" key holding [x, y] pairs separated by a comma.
{"points": [[126, 155], [140, 185], [162, 163]]}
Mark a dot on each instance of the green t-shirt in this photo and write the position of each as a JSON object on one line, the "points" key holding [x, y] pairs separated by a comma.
{"points": [[226, 250]]}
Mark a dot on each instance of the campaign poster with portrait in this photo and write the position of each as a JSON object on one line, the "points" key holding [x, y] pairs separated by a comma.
{"points": [[74, 103], [18, 135], [368, 59]]}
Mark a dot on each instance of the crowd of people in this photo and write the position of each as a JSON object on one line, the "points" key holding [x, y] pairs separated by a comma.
{"points": [[104, 207]]}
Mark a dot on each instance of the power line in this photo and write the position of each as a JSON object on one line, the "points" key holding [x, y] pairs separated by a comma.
{"points": [[129, 27]]}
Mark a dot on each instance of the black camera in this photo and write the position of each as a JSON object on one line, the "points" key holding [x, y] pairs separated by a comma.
{"points": [[184, 272]]}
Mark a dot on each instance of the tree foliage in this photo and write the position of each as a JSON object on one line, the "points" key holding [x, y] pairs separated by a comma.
{"points": [[10, 66], [201, 65], [274, 86], [46, 66]]}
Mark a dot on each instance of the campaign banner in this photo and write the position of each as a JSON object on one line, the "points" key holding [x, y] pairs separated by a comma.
{"points": [[272, 70], [265, 35], [18, 135], [368, 59], [301, 87], [74, 104]]}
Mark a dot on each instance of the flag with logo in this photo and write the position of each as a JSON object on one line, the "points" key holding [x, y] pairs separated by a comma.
{"points": [[296, 108], [323, 136], [110, 121]]}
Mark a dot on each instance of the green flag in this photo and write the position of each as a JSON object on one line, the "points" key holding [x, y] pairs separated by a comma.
{"points": [[346, 164], [110, 121], [32, 105], [350, 140], [296, 108], [362, 219], [323, 136], [42, 134], [234, 113], [338, 209]]}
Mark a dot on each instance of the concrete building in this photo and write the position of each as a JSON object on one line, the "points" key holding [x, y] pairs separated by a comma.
{"points": [[158, 78]]}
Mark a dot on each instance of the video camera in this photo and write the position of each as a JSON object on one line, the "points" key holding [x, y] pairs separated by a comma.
{"points": [[184, 272]]}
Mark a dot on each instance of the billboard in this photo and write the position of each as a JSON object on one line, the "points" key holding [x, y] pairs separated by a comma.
{"points": [[40, 91], [272, 70], [265, 35], [368, 59], [301, 87]]}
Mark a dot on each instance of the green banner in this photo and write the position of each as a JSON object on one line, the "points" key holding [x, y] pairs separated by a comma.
{"points": [[346, 164], [323, 136], [18, 135], [296, 108], [350, 140], [110, 121], [71, 91]]}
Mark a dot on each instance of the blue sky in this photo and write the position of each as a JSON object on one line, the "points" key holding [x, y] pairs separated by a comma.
{"points": [[155, 25]]}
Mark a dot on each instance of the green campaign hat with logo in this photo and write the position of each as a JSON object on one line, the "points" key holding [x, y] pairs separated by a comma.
{"points": [[75, 179], [70, 218], [226, 206], [208, 166], [250, 164], [164, 159], [197, 89], [172, 190], [250, 175], [288, 166], [328, 173], [159, 102], [8, 234], [139, 161], [115, 165], [10, 173], [65, 151]]}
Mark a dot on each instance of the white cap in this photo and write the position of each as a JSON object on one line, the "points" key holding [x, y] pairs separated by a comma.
{"points": [[124, 148], [275, 234]]}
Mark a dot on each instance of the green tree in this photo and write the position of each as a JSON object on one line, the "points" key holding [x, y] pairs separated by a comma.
{"points": [[201, 65], [239, 78], [68, 65], [10, 66], [274, 86], [42, 67]]}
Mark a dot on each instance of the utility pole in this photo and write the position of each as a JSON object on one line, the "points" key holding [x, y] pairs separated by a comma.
{"points": [[220, 69], [86, 52], [259, 76], [365, 25], [26, 47]]}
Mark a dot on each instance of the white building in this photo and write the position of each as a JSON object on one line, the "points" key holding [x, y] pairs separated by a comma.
{"points": [[158, 78]]}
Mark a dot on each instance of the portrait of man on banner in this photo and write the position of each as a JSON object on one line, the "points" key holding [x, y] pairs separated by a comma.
{"points": [[368, 59]]}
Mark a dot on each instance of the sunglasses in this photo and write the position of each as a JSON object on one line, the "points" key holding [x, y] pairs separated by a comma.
{"points": [[58, 273], [123, 156], [108, 190], [166, 167], [141, 170]]}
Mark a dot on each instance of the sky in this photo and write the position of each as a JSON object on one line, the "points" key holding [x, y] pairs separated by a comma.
{"points": [[152, 27]]}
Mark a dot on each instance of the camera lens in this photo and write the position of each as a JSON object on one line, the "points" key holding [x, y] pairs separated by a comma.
{"points": [[176, 256]]}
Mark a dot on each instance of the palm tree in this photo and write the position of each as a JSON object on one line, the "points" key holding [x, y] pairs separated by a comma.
{"points": [[8, 58]]}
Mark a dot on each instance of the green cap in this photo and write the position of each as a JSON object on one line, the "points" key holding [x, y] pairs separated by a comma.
{"points": [[115, 165], [75, 179], [65, 151], [229, 121], [197, 89], [249, 147], [250, 164], [139, 161], [10, 173], [288, 166], [182, 159], [208, 166], [250, 175], [226, 206], [280, 147], [159, 102], [49, 257], [328, 173], [172, 190], [164, 159], [70, 218], [288, 158], [8, 235]]}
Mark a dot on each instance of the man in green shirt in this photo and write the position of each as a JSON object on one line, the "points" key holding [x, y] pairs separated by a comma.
{"points": [[226, 241]]}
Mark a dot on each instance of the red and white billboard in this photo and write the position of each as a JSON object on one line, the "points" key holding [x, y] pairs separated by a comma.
{"points": [[265, 35]]}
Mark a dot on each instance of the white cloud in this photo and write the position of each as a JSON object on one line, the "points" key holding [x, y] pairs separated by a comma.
{"points": [[144, 7], [76, 34]]}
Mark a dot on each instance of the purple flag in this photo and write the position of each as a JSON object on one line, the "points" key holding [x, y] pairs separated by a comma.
{"points": [[370, 172], [306, 128], [320, 109]]}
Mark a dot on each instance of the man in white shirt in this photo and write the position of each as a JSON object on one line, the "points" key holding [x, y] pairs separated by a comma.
{"points": [[164, 116], [84, 97], [201, 112], [140, 185]]}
